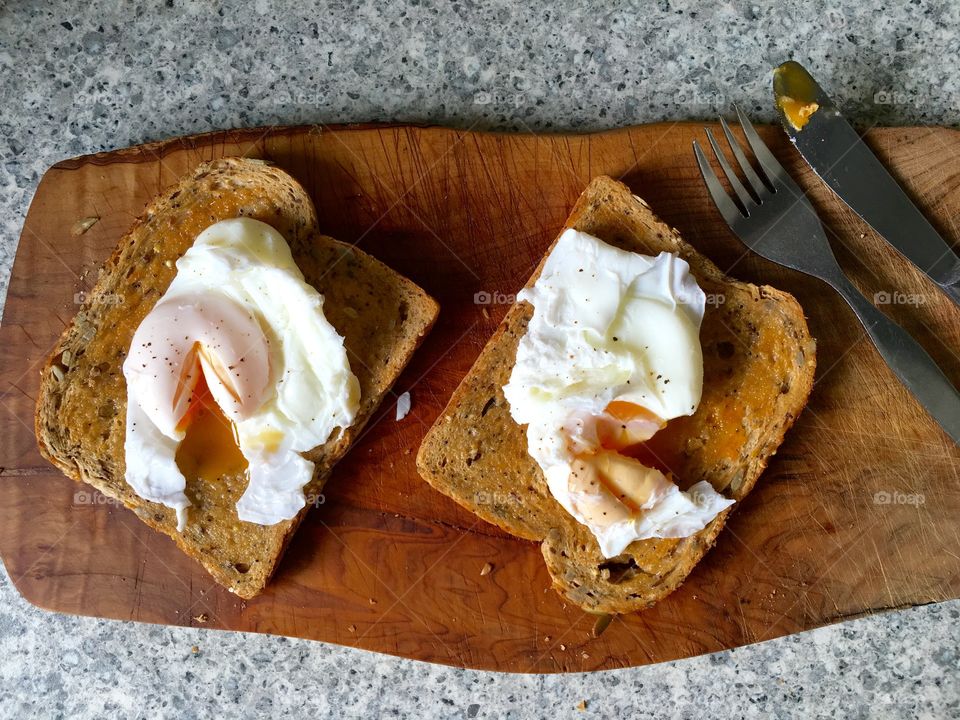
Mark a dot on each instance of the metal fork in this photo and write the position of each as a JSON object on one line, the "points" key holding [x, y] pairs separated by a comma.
{"points": [[776, 221]]}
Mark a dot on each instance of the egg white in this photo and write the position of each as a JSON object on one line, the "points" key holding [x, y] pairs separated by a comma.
{"points": [[309, 392], [610, 325]]}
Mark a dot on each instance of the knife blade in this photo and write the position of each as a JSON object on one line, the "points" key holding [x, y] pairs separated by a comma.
{"points": [[843, 161]]}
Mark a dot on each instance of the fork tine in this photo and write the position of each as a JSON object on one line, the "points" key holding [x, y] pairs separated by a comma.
{"points": [[731, 213], [753, 180], [770, 165], [745, 200]]}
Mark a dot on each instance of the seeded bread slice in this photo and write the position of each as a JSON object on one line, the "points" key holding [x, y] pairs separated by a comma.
{"points": [[759, 362], [81, 407]]}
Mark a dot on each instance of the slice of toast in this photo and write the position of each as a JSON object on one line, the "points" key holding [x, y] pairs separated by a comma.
{"points": [[759, 362], [81, 407]]}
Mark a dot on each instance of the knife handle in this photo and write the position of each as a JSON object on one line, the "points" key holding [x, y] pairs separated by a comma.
{"points": [[908, 360]]}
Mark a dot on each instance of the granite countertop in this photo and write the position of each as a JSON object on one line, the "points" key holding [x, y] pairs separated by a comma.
{"points": [[78, 78]]}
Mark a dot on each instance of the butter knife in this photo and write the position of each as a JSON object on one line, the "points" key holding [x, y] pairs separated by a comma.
{"points": [[844, 162]]}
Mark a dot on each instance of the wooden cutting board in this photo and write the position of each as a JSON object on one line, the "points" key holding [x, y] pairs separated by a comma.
{"points": [[857, 513]]}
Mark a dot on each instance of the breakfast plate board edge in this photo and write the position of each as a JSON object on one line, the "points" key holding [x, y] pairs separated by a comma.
{"points": [[856, 514]]}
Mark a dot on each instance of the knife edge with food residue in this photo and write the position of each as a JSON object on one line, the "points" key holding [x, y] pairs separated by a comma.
{"points": [[796, 93]]}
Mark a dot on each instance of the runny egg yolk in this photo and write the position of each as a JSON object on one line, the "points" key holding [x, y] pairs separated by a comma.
{"points": [[798, 113], [209, 449], [625, 424], [607, 485]]}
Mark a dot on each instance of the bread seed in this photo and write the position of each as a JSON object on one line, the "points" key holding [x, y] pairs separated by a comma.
{"points": [[603, 621], [82, 225]]}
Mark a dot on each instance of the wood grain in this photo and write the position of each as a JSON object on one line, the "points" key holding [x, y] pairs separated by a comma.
{"points": [[386, 563]]}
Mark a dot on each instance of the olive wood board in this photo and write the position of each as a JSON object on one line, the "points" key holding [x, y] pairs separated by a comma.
{"points": [[857, 513]]}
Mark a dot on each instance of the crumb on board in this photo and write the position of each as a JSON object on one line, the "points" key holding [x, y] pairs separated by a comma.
{"points": [[352, 628], [195, 649], [403, 405], [201, 618], [582, 705], [601, 624], [82, 225], [486, 569]]}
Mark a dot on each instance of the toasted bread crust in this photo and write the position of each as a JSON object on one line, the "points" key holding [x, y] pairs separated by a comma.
{"points": [[759, 363], [81, 406]]}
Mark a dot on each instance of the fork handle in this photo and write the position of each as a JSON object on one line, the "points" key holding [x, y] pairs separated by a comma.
{"points": [[952, 290], [908, 360]]}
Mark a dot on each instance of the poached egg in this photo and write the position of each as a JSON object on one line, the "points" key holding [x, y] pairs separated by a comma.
{"points": [[611, 354], [236, 368]]}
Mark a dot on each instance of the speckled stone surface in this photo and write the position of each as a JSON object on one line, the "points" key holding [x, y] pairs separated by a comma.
{"points": [[82, 77]]}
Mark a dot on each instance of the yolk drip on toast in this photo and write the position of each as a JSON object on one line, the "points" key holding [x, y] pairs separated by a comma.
{"points": [[210, 448]]}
